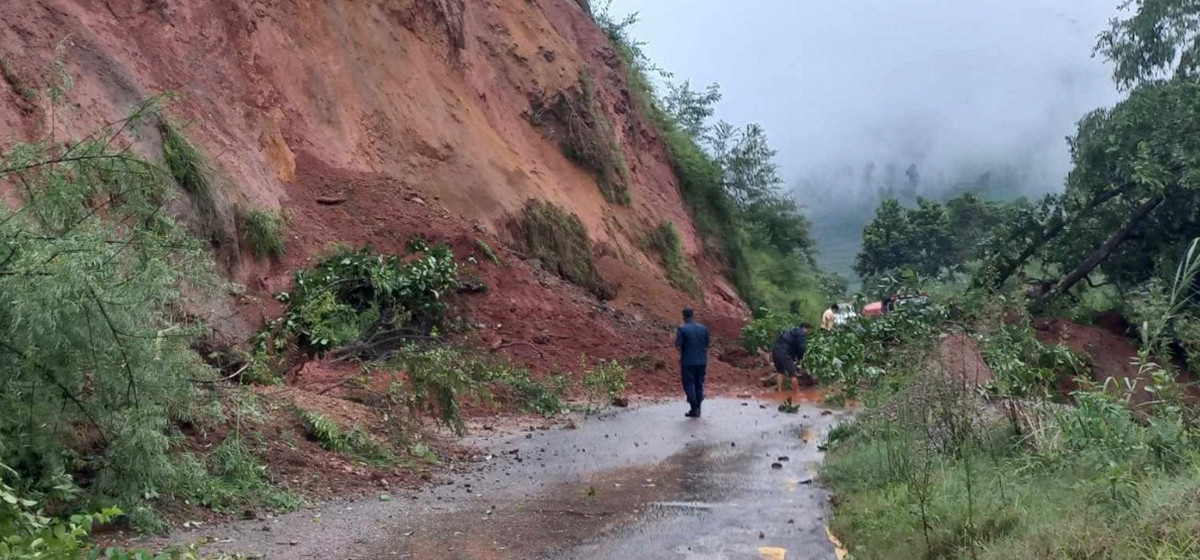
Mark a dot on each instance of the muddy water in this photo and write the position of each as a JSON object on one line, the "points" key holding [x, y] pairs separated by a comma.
{"points": [[641, 483]]}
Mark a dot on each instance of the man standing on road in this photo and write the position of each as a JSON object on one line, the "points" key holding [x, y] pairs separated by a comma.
{"points": [[789, 349], [692, 341]]}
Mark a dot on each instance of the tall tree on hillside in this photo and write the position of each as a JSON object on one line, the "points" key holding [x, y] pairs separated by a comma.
{"points": [[1142, 158], [886, 243], [691, 109], [1161, 39]]}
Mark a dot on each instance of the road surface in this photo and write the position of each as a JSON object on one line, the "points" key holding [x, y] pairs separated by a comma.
{"points": [[642, 483]]}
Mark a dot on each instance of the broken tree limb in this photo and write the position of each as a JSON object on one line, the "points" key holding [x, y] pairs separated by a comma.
{"points": [[1102, 252]]}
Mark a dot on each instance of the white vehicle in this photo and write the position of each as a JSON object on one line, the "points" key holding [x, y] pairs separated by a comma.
{"points": [[843, 313]]}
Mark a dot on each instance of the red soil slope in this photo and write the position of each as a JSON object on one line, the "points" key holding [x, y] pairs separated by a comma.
{"points": [[412, 111]]}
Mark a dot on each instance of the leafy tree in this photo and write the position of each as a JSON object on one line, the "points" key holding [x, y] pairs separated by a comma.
{"points": [[886, 241], [1161, 39], [96, 353], [692, 109]]}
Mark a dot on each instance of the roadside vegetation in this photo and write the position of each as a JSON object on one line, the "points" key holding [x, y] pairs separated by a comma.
{"points": [[1039, 457]]}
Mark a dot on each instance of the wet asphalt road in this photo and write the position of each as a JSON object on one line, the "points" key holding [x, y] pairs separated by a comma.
{"points": [[639, 483]]}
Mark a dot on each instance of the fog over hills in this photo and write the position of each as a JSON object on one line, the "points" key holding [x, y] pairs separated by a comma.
{"points": [[902, 98]]}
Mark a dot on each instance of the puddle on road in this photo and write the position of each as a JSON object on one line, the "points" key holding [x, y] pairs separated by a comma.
{"points": [[687, 483]]}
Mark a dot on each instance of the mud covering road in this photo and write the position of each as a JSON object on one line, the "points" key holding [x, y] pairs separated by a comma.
{"points": [[639, 483]]}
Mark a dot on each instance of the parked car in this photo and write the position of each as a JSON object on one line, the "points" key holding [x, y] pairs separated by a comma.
{"points": [[843, 313], [876, 308]]}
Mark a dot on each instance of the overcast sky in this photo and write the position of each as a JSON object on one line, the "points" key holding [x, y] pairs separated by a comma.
{"points": [[940, 83]]}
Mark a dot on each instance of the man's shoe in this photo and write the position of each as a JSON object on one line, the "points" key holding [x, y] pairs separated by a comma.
{"points": [[693, 413]]}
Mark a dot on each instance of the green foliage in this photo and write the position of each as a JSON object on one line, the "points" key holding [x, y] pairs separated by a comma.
{"points": [[560, 241], [604, 382], [1158, 40], [666, 242], [262, 230], [237, 478], [931, 239], [355, 444], [1131, 201], [728, 180], [759, 334], [1024, 367], [931, 469], [28, 533], [586, 136], [97, 364], [438, 377], [192, 171], [364, 298]]}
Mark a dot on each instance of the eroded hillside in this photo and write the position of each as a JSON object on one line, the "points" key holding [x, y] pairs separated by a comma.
{"points": [[373, 122]]}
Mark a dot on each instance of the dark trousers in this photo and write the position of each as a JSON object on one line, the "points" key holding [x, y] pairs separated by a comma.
{"points": [[693, 384]]}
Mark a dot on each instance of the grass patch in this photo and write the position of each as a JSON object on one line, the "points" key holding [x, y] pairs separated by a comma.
{"points": [[262, 231], [355, 443], [439, 377], [488, 252], [560, 241], [237, 478], [665, 241], [575, 119], [192, 171]]}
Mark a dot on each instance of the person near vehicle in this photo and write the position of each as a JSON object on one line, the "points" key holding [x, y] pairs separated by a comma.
{"points": [[789, 349], [827, 319], [692, 340]]}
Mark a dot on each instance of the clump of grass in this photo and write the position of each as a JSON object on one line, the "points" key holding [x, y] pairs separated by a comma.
{"points": [[560, 241], [262, 230], [355, 444], [586, 136], [488, 251], [191, 170], [665, 241], [238, 478]]}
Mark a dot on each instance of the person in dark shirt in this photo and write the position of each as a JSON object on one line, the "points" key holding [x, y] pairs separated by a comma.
{"points": [[789, 349], [692, 341]]}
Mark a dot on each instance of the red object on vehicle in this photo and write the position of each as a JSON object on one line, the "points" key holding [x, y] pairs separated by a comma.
{"points": [[873, 309]]}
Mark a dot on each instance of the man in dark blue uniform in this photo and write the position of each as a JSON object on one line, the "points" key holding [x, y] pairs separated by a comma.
{"points": [[692, 341], [789, 349]]}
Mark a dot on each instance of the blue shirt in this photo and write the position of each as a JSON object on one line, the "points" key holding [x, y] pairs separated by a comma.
{"points": [[691, 338]]}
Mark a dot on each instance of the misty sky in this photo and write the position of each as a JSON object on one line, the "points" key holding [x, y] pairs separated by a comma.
{"points": [[940, 83]]}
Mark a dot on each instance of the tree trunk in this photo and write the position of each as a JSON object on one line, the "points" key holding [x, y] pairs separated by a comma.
{"points": [[1102, 252], [1055, 226]]}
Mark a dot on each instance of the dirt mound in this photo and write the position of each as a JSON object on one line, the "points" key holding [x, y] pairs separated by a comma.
{"points": [[962, 360], [1110, 355]]}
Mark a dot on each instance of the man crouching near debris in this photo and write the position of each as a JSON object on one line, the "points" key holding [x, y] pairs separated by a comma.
{"points": [[692, 341], [788, 351]]}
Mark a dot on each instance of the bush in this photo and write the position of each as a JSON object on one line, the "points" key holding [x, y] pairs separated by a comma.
{"points": [[355, 444], [192, 171], [437, 378], [665, 241], [560, 241], [237, 478], [364, 303], [604, 382], [586, 136], [93, 272], [262, 230]]}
